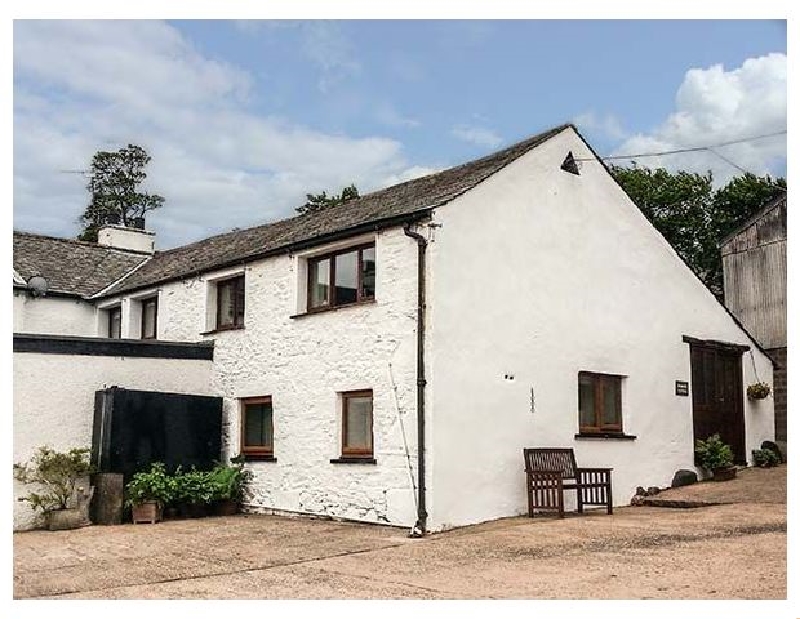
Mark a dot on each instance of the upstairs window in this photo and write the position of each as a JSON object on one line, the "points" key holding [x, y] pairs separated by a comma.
{"points": [[114, 316], [599, 402], [149, 318], [344, 277], [230, 303]]}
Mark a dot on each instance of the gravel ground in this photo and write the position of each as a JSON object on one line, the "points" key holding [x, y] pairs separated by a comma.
{"points": [[736, 550]]}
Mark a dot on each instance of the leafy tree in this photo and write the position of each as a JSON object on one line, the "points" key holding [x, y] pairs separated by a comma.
{"points": [[317, 202], [56, 473], [113, 184], [692, 215]]}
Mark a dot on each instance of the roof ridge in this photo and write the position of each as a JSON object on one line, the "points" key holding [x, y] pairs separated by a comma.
{"points": [[77, 242], [535, 139]]}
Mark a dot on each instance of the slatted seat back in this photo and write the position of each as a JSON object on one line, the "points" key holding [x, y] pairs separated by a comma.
{"points": [[551, 459]]}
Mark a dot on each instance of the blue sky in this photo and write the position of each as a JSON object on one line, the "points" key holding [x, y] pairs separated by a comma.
{"points": [[243, 117]]}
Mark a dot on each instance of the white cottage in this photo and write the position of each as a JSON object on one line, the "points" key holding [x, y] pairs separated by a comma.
{"points": [[519, 300]]}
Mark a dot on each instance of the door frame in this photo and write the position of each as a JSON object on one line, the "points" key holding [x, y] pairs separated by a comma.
{"points": [[734, 351]]}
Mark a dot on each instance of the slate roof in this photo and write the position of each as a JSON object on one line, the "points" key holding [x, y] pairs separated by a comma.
{"points": [[71, 267], [380, 208]]}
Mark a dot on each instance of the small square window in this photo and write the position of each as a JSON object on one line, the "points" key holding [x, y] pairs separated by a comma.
{"points": [[344, 277], [257, 431], [357, 424], [599, 403]]}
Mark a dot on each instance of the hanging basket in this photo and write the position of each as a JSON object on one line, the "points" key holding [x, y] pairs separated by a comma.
{"points": [[758, 391]]}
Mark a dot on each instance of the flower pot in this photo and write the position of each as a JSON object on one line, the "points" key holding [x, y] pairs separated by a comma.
{"points": [[171, 512], [196, 510], [149, 511], [725, 473], [64, 519], [225, 507]]}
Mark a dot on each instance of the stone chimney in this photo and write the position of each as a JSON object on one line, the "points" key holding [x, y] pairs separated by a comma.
{"points": [[131, 238]]}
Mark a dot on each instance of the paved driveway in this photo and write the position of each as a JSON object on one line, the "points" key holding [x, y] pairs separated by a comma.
{"points": [[728, 551]]}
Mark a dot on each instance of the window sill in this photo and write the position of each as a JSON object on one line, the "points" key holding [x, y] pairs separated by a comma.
{"points": [[258, 458], [605, 435], [223, 330], [325, 310], [353, 460]]}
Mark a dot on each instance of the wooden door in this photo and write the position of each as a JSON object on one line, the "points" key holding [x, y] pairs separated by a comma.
{"points": [[717, 396]]}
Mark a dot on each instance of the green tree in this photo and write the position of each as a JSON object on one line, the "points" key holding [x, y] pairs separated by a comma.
{"points": [[319, 201], [692, 215], [114, 178]]}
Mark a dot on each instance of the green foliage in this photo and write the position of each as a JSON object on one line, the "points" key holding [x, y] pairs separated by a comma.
{"points": [[196, 487], [57, 472], [152, 485], [113, 181], [692, 215], [765, 458], [712, 453], [758, 391], [317, 202], [227, 482]]}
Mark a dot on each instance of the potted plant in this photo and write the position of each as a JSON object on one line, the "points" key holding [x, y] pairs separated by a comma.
{"points": [[57, 474], [227, 483], [197, 492], [716, 456], [148, 492], [758, 391], [764, 458]]}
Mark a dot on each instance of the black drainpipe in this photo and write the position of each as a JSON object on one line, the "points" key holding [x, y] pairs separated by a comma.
{"points": [[420, 528]]}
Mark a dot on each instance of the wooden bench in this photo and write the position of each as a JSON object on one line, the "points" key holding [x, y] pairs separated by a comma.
{"points": [[550, 471]]}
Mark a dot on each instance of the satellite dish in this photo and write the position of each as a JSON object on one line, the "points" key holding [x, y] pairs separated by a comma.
{"points": [[37, 285]]}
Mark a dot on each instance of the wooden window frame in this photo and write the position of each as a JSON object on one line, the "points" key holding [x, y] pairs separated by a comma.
{"points": [[349, 452], [111, 312], [598, 382], [360, 297], [255, 450], [223, 282], [145, 302]]}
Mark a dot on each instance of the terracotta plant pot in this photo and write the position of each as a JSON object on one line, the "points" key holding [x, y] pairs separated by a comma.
{"points": [[149, 511], [226, 507], [725, 473], [64, 519]]}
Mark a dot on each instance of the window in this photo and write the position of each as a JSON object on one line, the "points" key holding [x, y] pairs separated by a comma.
{"points": [[341, 278], [149, 318], [257, 434], [357, 424], [599, 402], [114, 327], [230, 303]]}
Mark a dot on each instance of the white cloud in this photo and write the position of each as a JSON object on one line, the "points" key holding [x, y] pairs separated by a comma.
{"points": [[607, 125], [713, 106], [84, 86], [477, 135]]}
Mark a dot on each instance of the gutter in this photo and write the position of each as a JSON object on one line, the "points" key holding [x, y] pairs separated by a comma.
{"points": [[420, 527]]}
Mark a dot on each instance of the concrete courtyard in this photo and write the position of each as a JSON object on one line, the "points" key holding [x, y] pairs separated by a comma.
{"points": [[736, 549]]}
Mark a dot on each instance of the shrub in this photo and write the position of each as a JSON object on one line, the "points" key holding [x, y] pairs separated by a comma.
{"points": [[152, 485], [713, 453], [765, 458], [57, 472], [196, 487], [227, 482]]}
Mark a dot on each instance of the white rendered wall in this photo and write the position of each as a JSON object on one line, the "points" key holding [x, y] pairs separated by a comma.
{"points": [[303, 363], [53, 315], [54, 399], [538, 274]]}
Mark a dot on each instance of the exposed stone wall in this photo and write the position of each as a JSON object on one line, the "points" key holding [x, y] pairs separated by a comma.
{"points": [[304, 363], [778, 355]]}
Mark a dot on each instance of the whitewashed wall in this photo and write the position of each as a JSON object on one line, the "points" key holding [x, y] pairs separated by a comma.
{"points": [[538, 274], [54, 399], [303, 363], [53, 315]]}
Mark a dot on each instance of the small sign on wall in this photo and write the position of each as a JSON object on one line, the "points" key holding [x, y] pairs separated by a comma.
{"points": [[681, 387]]}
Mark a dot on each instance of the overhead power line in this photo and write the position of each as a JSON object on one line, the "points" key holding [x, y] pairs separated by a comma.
{"points": [[692, 149]]}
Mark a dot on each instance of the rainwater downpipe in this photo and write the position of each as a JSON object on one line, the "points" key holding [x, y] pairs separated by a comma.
{"points": [[420, 528]]}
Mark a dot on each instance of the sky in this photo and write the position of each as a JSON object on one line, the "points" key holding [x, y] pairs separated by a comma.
{"points": [[243, 118]]}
